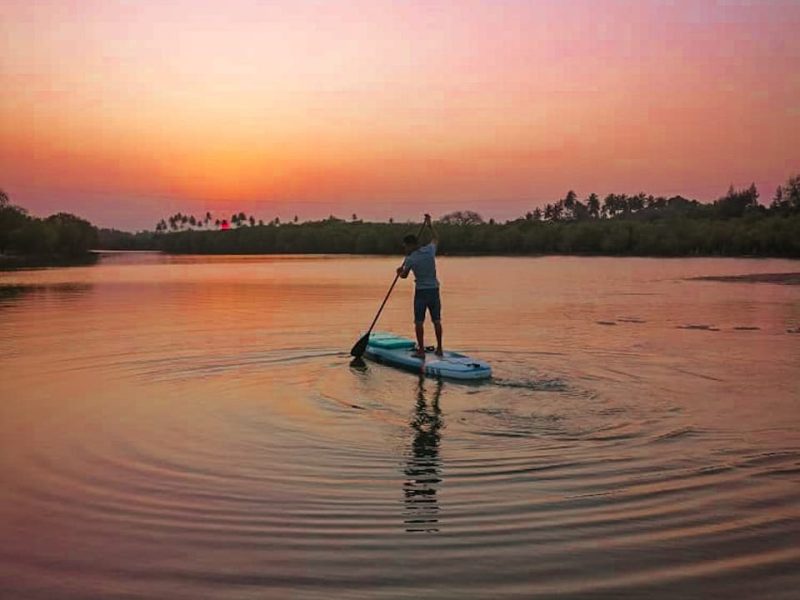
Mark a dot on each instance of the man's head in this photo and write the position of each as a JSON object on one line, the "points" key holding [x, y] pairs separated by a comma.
{"points": [[410, 243]]}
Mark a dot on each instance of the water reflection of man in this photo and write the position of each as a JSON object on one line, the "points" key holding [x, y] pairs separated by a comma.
{"points": [[423, 469]]}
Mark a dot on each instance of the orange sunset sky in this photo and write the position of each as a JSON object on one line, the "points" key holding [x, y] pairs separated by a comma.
{"points": [[126, 111]]}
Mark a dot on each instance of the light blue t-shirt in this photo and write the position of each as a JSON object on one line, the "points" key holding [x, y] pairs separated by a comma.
{"points": [[422, 262]]}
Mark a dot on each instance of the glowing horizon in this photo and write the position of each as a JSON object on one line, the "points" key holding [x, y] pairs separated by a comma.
{"points": [[126, 112]]}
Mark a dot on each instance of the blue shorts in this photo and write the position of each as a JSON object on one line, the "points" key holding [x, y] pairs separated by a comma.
{"points": [[427, 300]]}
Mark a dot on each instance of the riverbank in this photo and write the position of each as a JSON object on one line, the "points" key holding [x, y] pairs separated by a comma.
{"points": [[781, 278], [770, 236], [13, 262]]}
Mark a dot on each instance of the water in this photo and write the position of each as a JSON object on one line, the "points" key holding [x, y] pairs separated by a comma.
{"points": [[191, 428]]}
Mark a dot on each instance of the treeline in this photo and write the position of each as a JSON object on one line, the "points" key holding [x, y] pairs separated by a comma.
{"points": [[114, 239], [735, 204], [760, 236], [182, 222], [59, 237], [734, 225]]}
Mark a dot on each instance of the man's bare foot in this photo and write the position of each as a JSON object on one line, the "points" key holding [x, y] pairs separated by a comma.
{"points": [[418, 354], [439, 351]]}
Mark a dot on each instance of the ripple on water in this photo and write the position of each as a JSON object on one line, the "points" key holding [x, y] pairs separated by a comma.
{"points": [[388, 484]]}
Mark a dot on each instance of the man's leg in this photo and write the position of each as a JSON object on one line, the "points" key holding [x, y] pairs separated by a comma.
{"points": [[437, 326], [420, 328], [419, 322], [436, 317]]}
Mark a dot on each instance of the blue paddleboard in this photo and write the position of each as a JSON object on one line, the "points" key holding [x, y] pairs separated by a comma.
{"points": [[397, 351]]}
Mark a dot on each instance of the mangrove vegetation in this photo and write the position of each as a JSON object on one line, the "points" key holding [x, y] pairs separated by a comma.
{"points": [[26, 241], [739, 223], [736, 224]]}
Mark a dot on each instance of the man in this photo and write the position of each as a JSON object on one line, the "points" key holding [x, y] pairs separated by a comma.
{"points": [[422, 261]]}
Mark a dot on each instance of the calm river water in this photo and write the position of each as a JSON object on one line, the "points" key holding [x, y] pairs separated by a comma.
{"points": [[190, 427]]}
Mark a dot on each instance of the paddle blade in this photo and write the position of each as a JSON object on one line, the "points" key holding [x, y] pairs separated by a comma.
{"points": [[360, 346], [358, 364]]}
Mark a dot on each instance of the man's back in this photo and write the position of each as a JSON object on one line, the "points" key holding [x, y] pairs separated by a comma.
{"points": [[422, 262]]}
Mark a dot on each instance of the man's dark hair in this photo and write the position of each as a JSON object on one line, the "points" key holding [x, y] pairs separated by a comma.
{"points": [[410, 239]]}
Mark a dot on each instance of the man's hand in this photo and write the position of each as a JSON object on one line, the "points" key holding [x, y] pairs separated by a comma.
{"points": [[434, 234], [400, 270]]}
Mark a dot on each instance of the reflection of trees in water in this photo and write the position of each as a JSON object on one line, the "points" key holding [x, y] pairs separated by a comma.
{"points": [[423, 469], [10, 294]]}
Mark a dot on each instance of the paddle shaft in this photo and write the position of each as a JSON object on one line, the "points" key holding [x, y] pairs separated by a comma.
{"points": [[380, 310]]}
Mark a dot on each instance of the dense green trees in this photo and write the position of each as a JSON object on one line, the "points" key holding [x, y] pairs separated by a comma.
{"points": [[462, 217], [61, 235], [734, 225], [619, 224], [679, 236], [12, 218], [114, 239], [787, 198]]}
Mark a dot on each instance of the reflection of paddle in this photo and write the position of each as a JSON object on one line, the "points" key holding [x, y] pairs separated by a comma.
{"points": [[361, 345]]}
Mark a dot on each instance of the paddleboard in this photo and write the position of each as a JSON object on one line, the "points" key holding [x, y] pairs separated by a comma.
{"points": [[397, 351]]}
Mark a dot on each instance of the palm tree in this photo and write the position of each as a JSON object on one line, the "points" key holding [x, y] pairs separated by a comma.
{"points": [[569, 202], [609, 209], [593, 204], [4, 200], [252, 221], [296, 219], [636, 203]]}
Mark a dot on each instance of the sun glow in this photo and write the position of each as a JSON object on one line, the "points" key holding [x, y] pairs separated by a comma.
{"points": [[368, 104]]}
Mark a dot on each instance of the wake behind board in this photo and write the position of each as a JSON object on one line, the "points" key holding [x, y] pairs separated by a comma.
{"points": [[397, 351]]}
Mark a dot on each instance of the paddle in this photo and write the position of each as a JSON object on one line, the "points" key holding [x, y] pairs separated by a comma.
{"points": [[361, 345]]}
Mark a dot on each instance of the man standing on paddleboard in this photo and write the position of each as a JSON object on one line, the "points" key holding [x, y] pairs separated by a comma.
{"points": [[422, 261]]}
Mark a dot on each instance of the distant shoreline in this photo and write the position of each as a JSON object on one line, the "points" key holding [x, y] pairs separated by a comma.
{"points": [[449, 254], [769, 236], [9, 262], [780, 278]]}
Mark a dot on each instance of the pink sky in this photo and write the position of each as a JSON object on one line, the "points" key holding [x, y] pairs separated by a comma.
{"points": [[126, 111]]}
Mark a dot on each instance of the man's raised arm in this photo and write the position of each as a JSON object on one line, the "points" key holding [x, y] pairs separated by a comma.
{"points": [[434, 233]]}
